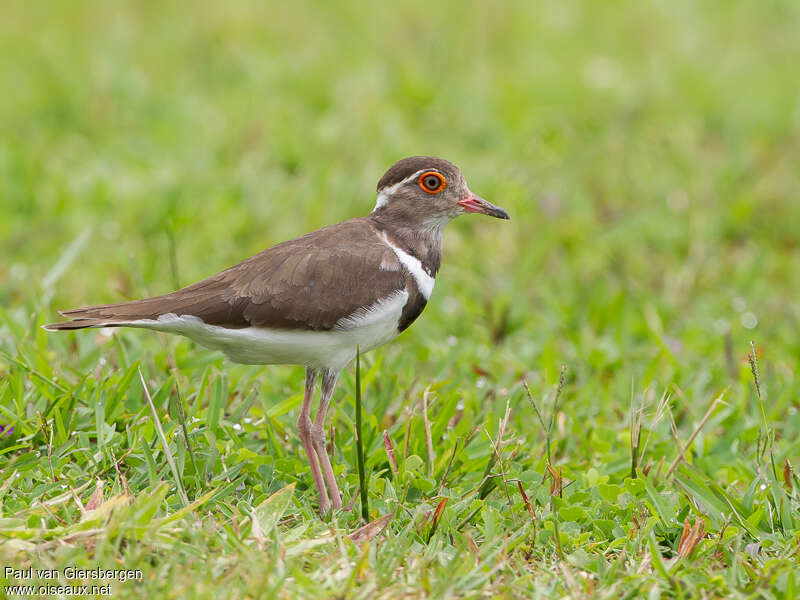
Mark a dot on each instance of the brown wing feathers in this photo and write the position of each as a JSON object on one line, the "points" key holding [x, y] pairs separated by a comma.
{"points": [[308, 283], [205, 301]]}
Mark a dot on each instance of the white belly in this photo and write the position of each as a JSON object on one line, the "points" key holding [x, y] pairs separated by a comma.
{"points": [[365, 329]]}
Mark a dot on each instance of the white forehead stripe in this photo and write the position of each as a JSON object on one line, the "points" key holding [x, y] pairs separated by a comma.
{"points": [[412, 263], [384, 194]]}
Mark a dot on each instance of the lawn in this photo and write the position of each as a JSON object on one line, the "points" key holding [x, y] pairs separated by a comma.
{"points": [[602, 395]]}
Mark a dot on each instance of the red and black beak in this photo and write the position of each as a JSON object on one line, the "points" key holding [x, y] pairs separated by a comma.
{"points": [[476, 204]]}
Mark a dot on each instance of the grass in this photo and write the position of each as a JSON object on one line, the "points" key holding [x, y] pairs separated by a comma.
{"points": [[647, 153]]}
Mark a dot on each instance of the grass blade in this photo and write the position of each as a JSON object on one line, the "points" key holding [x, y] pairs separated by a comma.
{"points": [[362, 479], [173, 467]]}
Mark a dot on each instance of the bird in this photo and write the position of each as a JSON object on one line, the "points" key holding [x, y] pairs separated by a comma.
{"points": [[317, 300]]}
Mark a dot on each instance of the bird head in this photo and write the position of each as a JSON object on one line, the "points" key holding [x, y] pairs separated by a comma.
{"points": [[429, 190]]}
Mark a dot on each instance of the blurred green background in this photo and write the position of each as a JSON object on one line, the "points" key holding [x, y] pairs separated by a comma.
{"points": [[648, 152]]}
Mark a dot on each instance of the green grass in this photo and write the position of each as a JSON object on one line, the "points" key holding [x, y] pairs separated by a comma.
{"points": [[648, 153]]}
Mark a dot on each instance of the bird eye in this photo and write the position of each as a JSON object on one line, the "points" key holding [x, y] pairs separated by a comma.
{"points": [[432, 182]]}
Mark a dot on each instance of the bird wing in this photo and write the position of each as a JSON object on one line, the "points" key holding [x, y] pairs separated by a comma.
{"points": [[308, 283]]}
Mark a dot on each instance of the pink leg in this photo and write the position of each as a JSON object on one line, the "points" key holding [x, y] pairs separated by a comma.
{"points": [[318, 435], [304, 430]]}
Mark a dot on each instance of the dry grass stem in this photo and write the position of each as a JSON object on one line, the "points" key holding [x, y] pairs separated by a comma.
{"points": [[684, 447]]}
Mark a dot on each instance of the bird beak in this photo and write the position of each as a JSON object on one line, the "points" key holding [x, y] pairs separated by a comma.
{"points": [[476, 204]]}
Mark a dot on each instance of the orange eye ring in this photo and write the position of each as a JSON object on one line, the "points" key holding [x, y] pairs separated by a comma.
{"points": [[432, 182]]}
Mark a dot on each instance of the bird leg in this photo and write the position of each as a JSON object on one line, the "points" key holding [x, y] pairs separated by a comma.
{"points": [[329, 378], [305, 431]]}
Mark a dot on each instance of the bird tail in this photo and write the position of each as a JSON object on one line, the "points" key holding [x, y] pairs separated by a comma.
{"points": [[80, 324], [107, 315]]}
